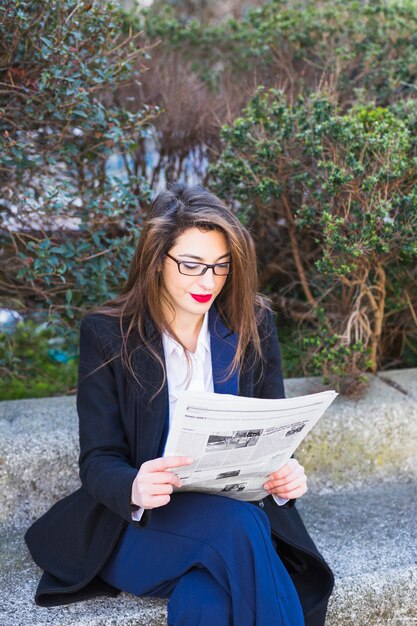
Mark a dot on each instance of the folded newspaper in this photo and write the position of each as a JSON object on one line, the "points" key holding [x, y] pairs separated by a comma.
{"points": [[236, 442]]}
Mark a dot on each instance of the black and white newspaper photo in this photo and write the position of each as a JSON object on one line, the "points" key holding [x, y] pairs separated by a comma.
{"points": [[236, 441]]}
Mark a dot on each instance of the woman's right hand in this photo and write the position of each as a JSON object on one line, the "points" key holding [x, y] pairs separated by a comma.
{"points": [[154, 483]]}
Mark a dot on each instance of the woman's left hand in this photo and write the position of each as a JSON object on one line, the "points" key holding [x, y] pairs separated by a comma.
{"points": [[289, 481]]}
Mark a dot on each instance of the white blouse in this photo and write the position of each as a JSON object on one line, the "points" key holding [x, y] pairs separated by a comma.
{"points": [[194, 373]]}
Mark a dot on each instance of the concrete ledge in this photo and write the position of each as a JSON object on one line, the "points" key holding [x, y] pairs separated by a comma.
{"points": [[365, 439], [38, 455], [357, 441], [367, 536], [360, 509]]}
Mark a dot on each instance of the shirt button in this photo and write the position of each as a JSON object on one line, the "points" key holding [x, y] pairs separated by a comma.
{"points": [[261, 504]]}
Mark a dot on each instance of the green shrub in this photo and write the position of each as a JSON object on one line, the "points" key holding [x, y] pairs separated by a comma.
{"points": [[329, 190], [331, 198], [35, 363], [350, 46], [203, 74], [68, 225]]}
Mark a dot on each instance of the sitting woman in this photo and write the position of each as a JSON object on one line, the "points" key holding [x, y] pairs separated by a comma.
{"points": [[188, 317]]}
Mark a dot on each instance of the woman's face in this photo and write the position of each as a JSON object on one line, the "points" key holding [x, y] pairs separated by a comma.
{"points": [[192, 296]]}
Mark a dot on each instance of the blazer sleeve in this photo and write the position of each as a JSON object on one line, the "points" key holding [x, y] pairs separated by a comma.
{"points": [[105, 470], [273, 382]]}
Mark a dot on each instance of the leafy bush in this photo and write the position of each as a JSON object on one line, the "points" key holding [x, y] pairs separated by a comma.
{"points": [[297, 45], [331, 198], [68, 224], [35, 363], [326, 182], [202, 75]]}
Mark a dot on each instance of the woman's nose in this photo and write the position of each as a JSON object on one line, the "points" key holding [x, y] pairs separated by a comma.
{"points": [[207, 280]]}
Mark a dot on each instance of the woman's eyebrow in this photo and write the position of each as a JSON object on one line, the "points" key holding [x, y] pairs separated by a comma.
{"points": [[199, 258]]}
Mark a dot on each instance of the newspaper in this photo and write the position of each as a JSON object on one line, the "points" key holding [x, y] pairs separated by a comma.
{"points": [[236, 442]]}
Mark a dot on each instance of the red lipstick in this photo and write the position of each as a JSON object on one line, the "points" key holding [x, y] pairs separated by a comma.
{"points": [[201, 298]]}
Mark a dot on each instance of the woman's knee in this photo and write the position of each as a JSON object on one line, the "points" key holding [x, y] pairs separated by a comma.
{"points": [[243, 517], [198, 600], [233, 513]]}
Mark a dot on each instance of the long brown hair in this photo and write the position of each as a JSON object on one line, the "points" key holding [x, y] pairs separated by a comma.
{"points": [[174, 211]]}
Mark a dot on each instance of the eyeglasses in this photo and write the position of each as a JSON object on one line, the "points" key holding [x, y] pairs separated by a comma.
{"points": [[189, 268]]}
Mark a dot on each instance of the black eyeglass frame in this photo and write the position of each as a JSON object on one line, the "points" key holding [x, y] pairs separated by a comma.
{"points": [[206, 267]]}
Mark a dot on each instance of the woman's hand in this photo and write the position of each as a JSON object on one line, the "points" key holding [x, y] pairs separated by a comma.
{"points": [[289, 481], [154, 483]]}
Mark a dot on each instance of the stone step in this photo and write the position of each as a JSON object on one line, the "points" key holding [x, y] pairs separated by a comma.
{"points": [[362, 439], [367, 535], [358, 441]]}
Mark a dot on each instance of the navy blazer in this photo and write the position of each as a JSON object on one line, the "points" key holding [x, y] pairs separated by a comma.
{"points": [[122, 424]]}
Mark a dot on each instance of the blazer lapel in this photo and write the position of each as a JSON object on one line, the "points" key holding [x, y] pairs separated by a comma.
{"points": [[223, 343]]}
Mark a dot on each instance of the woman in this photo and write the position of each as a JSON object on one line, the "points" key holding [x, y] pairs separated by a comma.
{"points": [[189, 317]]}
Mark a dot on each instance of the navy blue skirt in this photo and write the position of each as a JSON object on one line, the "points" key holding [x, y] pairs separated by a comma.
{"points": [[213, 558]]}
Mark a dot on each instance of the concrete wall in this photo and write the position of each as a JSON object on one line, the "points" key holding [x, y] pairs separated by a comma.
{"points": [[360, 509]]}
